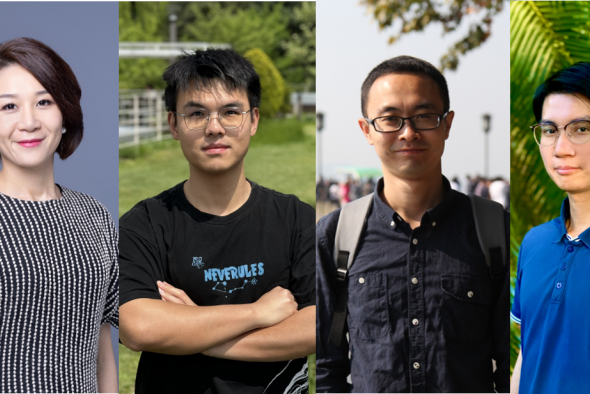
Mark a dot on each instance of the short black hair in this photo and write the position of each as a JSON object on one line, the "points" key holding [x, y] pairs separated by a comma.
{"points": [[570, 80], [405, 65], [56, 76], [201, 69]]}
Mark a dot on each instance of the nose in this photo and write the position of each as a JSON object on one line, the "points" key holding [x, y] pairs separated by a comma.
{"points": [[407, 131], [563, 146], [213, 125], [28, 121]]}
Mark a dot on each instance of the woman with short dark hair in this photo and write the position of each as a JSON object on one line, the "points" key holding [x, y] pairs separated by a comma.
{"points": [[58, 248]]}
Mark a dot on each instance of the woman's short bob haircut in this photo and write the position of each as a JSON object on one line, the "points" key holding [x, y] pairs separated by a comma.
{"points": [[56, 76]]}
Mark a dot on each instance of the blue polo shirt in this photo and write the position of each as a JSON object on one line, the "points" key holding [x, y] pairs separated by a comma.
{"points": [[552, 304]]}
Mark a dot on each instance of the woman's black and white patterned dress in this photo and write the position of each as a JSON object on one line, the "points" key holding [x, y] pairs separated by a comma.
{"points": [[59, 282]]}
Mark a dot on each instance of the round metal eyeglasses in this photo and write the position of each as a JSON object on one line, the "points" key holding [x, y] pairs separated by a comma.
{"points": [[390, 124], [577, 131], [228, 118]]}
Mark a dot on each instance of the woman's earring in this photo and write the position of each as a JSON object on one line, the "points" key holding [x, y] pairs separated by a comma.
{"points": [[63, 130]]}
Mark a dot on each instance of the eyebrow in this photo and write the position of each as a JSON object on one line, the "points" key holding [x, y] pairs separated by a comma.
{"points": [[8, 95], [192, 104], [547, 121], [388, 108]]}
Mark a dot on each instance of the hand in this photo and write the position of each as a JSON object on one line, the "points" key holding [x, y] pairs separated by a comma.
{"points": [[275, 306], [170, 293]]}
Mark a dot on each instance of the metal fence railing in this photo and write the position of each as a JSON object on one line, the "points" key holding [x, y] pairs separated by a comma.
{"points": [[142, 117]]}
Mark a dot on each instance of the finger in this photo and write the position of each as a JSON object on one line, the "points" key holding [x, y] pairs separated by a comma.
{"points": [[180, 294], [170, 298]]}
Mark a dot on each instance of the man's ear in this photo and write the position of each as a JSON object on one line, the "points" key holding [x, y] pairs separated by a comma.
{"points": [[172, 123], [255, 118], [449, 122], [366, 129]]}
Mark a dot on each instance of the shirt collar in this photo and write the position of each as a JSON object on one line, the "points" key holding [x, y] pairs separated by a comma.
{"points": [[561, 227], [435, 214]]}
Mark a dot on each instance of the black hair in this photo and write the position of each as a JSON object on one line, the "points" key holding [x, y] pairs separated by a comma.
{"points": [[201, 69], [403, 65], [570, 80]]}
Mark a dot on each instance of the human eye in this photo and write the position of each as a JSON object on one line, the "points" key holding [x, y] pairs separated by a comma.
{"points": [[582, 128], [9, 107], [230, 112], [548, 129], [424, 116], [198, 114], [44, 103]]}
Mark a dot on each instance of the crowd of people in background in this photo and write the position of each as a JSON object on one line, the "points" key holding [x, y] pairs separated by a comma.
{"points": [[340, 193]]}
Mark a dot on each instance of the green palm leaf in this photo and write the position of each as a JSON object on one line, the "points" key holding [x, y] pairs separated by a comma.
{"points": [[544, 38]]}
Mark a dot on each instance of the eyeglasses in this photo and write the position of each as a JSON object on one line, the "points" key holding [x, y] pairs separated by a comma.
{"points": [[228, 118], [577, 131], [390, 124]]}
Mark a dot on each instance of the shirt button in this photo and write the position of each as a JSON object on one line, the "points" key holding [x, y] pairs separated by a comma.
{"points": [[570, 248], [415, 281], [415, 322], [416, 365], [361, 280], [415, 241], [433, 224], [559, 285], [470, 294], [392, 223]]}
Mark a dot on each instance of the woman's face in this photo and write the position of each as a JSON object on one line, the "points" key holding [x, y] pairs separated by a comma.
{"points": [[30, 120]]}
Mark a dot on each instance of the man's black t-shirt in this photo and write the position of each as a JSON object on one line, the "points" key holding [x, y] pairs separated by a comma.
{"points": [[217, 260]]}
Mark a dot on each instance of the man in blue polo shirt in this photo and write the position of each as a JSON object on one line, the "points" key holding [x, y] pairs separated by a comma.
{"points": [[552, 297]]}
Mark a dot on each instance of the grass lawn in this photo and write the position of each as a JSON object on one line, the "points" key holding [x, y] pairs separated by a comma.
{"points": [[288, 167]]}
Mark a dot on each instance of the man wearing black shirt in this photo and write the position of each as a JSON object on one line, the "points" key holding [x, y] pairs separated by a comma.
{"points": [[424, 315], [217, 274]]}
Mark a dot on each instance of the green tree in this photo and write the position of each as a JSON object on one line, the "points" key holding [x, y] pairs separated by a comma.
{"points": [[243, 25], [544, 38], [414, 15], [298, 64], [273, 84], [142, 21]]}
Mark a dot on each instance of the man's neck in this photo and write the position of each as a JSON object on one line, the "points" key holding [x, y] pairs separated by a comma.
{"points": [[412, 198], [217, 194], [579, 213]]}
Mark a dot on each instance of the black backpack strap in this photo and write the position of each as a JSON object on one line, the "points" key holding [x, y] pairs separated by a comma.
{"points": [[491, 232], [350, 226]]}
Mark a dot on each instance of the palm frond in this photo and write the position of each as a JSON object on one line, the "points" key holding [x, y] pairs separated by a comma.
{"points": [[544, 38]]}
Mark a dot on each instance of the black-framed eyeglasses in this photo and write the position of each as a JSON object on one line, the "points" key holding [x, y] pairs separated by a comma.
{"points": [[229, 118], [390, 124], [577, 131]]}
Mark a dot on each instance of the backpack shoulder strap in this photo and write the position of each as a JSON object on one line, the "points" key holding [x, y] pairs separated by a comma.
{"points": [[351, 223], [491, 232], [350, 226]]}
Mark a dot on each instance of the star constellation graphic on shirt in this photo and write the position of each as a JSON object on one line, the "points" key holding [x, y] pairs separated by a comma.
{"points": [[224, 283]]}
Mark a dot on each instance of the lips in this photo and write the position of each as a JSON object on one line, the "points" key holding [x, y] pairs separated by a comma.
{"points": [[215, 148], [410, 151], [566, 170], [30, 143]]}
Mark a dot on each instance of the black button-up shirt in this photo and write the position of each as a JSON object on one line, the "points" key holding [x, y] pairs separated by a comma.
{"points": [[423, 312]]}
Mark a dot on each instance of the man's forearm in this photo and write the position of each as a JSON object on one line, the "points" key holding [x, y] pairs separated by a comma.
{"points": [[163, 327], [292, 338]]}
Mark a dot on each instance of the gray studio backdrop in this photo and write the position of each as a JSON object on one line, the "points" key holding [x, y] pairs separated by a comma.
{"points": [[86, 35]]}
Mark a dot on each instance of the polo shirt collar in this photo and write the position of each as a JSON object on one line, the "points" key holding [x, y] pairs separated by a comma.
{"points": [[562, 229], [435, 214]]}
